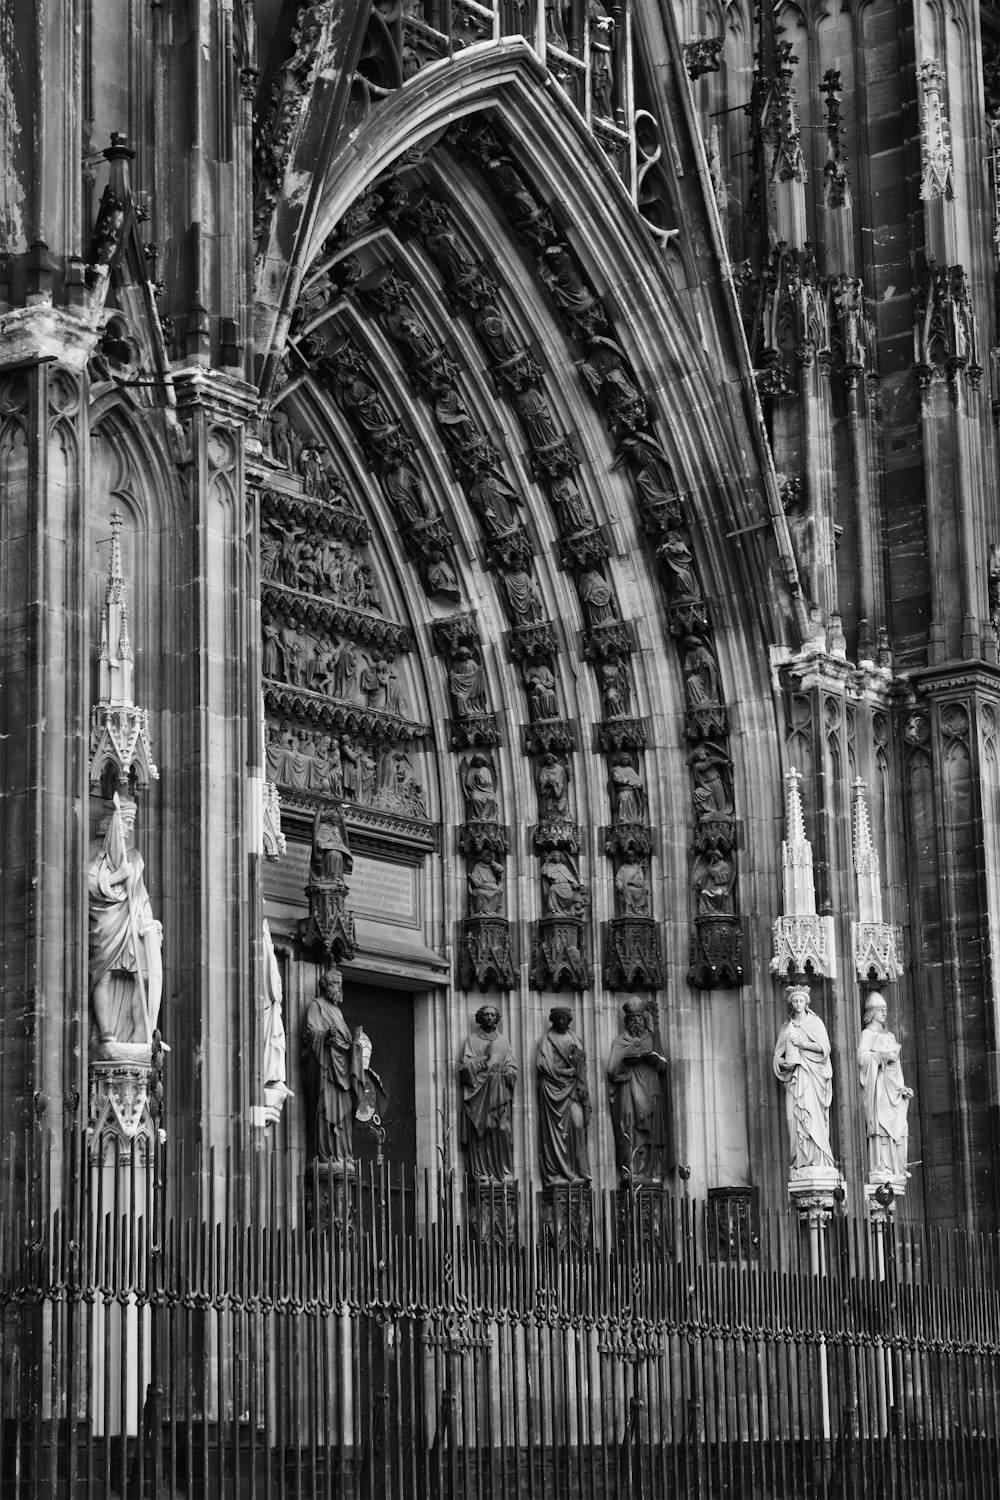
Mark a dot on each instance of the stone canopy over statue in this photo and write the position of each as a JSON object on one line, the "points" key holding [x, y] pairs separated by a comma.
{"points": [[124, 965], [488, 1074], [639, 1098]]}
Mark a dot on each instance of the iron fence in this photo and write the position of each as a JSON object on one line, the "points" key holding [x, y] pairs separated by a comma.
{"points": [[380, 1335]]}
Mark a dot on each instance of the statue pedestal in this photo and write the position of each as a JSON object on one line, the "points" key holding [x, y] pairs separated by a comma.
{"points": [[493, 1213], [880, 1198], [331, 1196], [486, 955], [121, 1074], [815, 1192], [566, 1212], [558, 954], [644, 1217]]}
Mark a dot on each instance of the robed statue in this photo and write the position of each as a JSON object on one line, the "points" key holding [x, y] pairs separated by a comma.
{"points": [[885, 1096], [125, 969], [488, 1073], [639, 1097], [333, 1075], [802, 1062], [563, 1103]]}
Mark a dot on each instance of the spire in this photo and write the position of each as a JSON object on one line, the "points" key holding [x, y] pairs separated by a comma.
{"points": [[866, 864], [877, 944], [121, 754], [796, 854]]}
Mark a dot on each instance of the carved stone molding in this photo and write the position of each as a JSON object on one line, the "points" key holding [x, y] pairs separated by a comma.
{"points": [[553, 834], [715, 833], [342, 619], [472, 730], [486, 955], [317, 708], [634, 839], [705, 721], [558, 954], [528, 642], [804, 944], [583, 549], [479, 836], [549, 735], [623, 733], [607, 642], [877, 949], [632, 954], [716, 953]]}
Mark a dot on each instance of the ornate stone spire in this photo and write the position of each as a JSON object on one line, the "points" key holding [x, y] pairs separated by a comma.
{"points": [[876, 943], [803, 941], [120, 749]]}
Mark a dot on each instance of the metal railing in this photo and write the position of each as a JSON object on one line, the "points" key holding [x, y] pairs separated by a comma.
{"points": [[384, 1335]]}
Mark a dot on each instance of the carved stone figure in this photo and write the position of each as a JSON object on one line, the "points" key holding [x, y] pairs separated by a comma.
{"points": [[598, 597], [714, 878], [563, 1103], [494, 499], [479, 786], [677, 556], [885, 1097], [485, 883], [124, 966], [332, 1074], [802, 1063], [616, 687], [525, 601], [282, 439], [405, 491], [573, 512], [467, 681], [564, 894], [711, 771], [563, 280], [541, 685], [553, 787], [628, 795], [602, 43], [274, 1063], [488, 1074], [701, 675], [638, 1098], [441, 576], [533, 409], [633, 889], [331, 852], [459, 426]]}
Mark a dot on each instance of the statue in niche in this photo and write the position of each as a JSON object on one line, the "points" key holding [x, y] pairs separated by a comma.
{"points": [[298, 760], [571, 508], [380, 684], [274, 1064], [332, 1074], [802, 1063], [446, 248], [282, 439], [497, 334], [412, 332], [701, 675], [711, 771], [369, 589], [533, 409], [272, 661], [485, 885], [628, 795], [676, 555], [525, 601], [560, 275], [494, 499], [488, 1075], [403, 786], [367, 771], [453, 415], [345, 682], [541, 685], [331, 856], [639, 1098], [124, 967], [270, 553], [511, 187], [311, 468], [714, 878], [553, 787], [467, 681], [369, 410], [274, 754], [598, 597], [563, 1103], [602, 45], [294, 650], [349, 577], [616, 687], [563, 893], [325, 668], [885, 1097], [633, 890], [480, 790], [405, 491], [441, 576], [653, 479], [288, 563]]}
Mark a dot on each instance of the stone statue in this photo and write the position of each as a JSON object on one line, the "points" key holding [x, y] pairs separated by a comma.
{"points": [[713, 881], [563, 892], [802, 1063], [467, 681], [332, 1074], [488, 1073], [553, 787], [639, 1098], [494, 499], [274, 1067], [525, 601], [711, 771], [331, 852], [485, 883], [616, 686], [563, 1103], [701, 675], [633, 890], [628, 795], [885, 1097], [573, 512], [675, 554], [479, 786], [598, 597], [124, 965], [541, 687]]}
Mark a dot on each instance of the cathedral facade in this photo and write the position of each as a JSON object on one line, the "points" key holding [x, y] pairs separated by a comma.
{"points": [[500, 556]]}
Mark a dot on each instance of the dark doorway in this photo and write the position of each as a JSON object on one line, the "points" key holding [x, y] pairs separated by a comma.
{"points": [[387, 1017]]}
